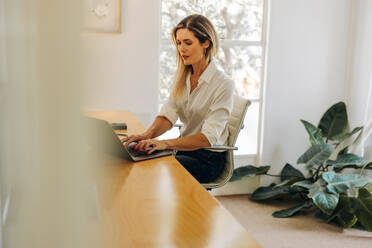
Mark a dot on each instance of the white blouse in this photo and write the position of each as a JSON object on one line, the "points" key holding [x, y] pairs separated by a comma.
{"points": [[207, 109]]}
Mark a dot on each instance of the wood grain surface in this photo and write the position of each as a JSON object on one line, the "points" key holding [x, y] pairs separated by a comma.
{"points": [[156, 203]]}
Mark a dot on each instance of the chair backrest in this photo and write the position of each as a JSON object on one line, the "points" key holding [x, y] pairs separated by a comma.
{"points": [[236, 120], [234, 126]]}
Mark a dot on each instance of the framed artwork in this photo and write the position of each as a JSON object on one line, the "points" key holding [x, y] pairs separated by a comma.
{"points": [[102, 16]]}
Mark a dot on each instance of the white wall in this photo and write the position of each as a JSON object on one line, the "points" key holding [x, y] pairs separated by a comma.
{"points": [[122, 69], [306, 61], [358, 94], [361, 68]]}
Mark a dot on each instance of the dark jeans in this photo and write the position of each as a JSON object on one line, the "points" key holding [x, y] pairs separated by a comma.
{"points": [[202, 164]]}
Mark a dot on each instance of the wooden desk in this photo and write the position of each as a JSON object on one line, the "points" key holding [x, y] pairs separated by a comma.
{"points": [[157, 203]]}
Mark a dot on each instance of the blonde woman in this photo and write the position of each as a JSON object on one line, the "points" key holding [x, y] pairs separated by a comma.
{"points": [[202, 97]]}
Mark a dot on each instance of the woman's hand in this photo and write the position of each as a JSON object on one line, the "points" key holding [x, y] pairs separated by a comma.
{"points": [[135, 138], [154, 144]]}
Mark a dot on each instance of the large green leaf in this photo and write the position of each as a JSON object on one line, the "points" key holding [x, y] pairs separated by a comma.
{"points": [[294, 189], [268, 192], [315, 134], [326, 201], [344, 214], [285, 213], [248, 171], [283, 183], [362, 207], [339, 183], [305, 184], [354, 166], [316, 155], [289, 172], [345, 136], [344, 160], [334, 121]]}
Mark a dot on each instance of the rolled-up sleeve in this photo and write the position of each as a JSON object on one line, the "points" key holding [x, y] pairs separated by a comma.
{"points": [[219, 113], [169, 110]]}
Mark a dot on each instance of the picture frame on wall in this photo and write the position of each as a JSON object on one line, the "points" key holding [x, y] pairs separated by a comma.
{"points": [[102, 16]]}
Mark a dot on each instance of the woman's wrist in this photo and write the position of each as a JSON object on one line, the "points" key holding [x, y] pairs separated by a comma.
{"points": [[148, 134], [168, 144]]}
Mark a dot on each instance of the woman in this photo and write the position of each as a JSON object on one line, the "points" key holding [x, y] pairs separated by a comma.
{"points": [[202, 97]]}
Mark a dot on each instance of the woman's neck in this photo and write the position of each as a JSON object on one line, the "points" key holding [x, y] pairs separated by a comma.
{"points": [[199, 68]]}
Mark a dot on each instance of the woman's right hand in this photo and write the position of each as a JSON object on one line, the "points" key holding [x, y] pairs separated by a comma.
{"points": [[136, 138]]}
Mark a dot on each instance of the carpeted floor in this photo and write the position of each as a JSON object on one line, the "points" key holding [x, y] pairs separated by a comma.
{"points": [[297, 232]]}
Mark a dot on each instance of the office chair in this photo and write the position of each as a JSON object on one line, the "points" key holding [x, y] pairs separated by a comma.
{"points": [[234, 125]]}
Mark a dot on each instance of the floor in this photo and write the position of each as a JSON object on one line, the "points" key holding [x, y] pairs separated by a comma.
{"points": [[299, 231]]}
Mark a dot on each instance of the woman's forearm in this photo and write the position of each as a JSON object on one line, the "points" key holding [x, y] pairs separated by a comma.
{"points": [[188, 143], [158, 127]]}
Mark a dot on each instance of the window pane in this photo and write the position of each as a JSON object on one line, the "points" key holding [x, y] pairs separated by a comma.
{"points": [[168, 67], [247, 139], [233, 19], [243, 64]]}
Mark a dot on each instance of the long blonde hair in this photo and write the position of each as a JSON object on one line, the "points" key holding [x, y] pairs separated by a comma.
{"points": [[203, 30]]}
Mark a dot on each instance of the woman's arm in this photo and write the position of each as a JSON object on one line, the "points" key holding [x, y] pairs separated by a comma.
{"points": [[158, 127], [188, 143]]}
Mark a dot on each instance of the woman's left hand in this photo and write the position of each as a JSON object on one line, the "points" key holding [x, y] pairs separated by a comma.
{"points": [[155, 144]]}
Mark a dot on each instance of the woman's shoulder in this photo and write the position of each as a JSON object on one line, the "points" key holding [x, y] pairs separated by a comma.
{"points": [[222, 79]]}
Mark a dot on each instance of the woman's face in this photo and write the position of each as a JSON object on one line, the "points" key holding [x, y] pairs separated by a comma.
{"points": [[189, 47]]}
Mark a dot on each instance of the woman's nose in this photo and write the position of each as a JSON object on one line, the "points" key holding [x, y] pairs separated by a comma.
{"points": [[183, 48]]}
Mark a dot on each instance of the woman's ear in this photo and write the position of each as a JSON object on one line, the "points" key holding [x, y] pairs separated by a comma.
{"points": [[206, 44]]}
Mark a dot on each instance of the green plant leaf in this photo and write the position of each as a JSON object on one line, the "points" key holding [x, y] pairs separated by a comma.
{"points": [[294, 189], [285, 213], [326, 201], [343, 151], [334, 121], [345, 136], [248, 171], [289, 172], [362, 207], [268, 192], [284, 183], [316, 155], [305, 184], [315, 134], [339, 183], [344, 214], [366, 167], [344, 160]]}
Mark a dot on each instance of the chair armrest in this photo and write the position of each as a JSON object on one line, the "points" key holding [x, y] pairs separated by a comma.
{"points": [[222, 148]]}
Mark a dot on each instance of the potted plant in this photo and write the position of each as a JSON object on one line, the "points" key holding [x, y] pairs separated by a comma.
{"points": [[325, 189]]}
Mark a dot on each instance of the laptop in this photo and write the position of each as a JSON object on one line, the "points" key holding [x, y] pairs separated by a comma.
{"points": [[101, 137]]}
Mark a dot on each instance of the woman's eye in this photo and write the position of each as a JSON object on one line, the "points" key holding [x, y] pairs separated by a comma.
{"points": [[188, 43]]}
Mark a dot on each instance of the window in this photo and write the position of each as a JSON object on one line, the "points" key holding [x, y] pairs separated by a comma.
{"points": [[240, 25]]}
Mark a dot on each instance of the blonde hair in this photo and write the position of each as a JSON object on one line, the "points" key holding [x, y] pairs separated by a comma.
{"points": [[203, 30]]}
